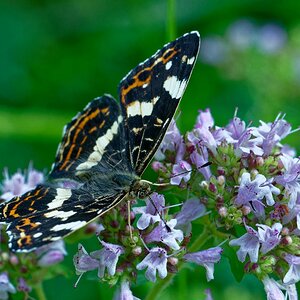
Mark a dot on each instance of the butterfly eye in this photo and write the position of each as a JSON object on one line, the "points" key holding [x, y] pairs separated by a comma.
{"points": [[141, 194]]}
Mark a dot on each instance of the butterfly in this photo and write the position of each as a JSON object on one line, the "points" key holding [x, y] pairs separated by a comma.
{"points": [[104, 151]]}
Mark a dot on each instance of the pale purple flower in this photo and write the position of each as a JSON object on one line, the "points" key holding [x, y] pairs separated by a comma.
{"points": [[202, 131], [166, 234], [155, 261], [255, 190], [272, 133], [5, 286], [199, 160], [108, 257], [208, 294], [51, 254], [288, 150], [291, 291], [83, 262], [203, 136], [290, 177], [23, 286], [19, 183], [214, 50], [191, 210], [242, 34], [172, 141], [150, 213], [272, 289], [293, 274], [242, 138], [181, 171], [206, 258], [204, 119], [248, 243], [124, 293], [236, 127], [271, 38], [294, 213], [269, 237]]}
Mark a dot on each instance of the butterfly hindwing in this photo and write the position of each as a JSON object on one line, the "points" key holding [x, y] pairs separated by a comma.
{"points": [[150, 94], [47, 214]]}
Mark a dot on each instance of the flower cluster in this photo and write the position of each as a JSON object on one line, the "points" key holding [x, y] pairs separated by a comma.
{"points": [[252, 182], [228, 179], [22, 272], [155, 245], [234, 188]]}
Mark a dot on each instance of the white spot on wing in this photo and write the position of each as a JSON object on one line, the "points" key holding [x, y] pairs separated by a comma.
{"points": [[191, 60], [73, 225], [36, 235], [146, 108], [143, 109], [134, 109], [60, 214], [168, 65], [175, 87], [61, 196]]}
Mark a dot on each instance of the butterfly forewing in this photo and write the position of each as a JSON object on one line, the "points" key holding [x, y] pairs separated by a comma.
{"points": [[94, 138], [150, 94]]}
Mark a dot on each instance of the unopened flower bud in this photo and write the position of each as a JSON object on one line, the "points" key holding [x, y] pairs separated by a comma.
{"points": [[254, 173], [285, 231], [203, 184], [5, 256], [158, 166], [220, 171], [223, 212], [212, 187], [136, 251], [246, 210], [221, 180], [173, 261], [114, 224], [287, 240], [259, 161], [14, 259]]}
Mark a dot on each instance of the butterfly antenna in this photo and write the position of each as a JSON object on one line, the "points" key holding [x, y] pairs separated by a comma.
{"points": [[182, 173], [159, 213], [193, 170]]}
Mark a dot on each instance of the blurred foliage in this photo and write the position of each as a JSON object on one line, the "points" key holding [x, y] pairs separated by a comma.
{"points": [[55, 56]]}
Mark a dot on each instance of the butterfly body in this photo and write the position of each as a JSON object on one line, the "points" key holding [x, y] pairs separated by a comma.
{"points": [[104, 151]]}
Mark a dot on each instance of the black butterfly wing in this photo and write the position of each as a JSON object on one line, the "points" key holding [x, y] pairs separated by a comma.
{"points": [[94, 138], [47, 214], [150, 94]]}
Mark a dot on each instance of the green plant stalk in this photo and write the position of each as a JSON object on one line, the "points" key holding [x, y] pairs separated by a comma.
{"points": [[164, 283], [40, 293], [171, 20]]}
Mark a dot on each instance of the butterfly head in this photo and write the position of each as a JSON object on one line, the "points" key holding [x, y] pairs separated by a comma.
{"points": [[140, 189]]}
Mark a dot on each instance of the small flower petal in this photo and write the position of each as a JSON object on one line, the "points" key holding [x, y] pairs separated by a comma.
{"points": [[207, 259], [155, 261]]}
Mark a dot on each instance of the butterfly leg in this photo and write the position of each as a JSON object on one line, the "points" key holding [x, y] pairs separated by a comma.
{"points": [[129, 219]]}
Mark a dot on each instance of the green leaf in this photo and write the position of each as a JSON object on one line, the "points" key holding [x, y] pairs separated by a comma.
{"points": [[236, 266]]}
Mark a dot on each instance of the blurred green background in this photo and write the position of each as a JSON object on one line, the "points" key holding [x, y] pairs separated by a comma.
{"points": [[55, 56]]}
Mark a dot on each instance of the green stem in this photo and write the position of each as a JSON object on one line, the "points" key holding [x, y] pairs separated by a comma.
{"points": [[40, 293], [162, 284], [171, 27]]}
